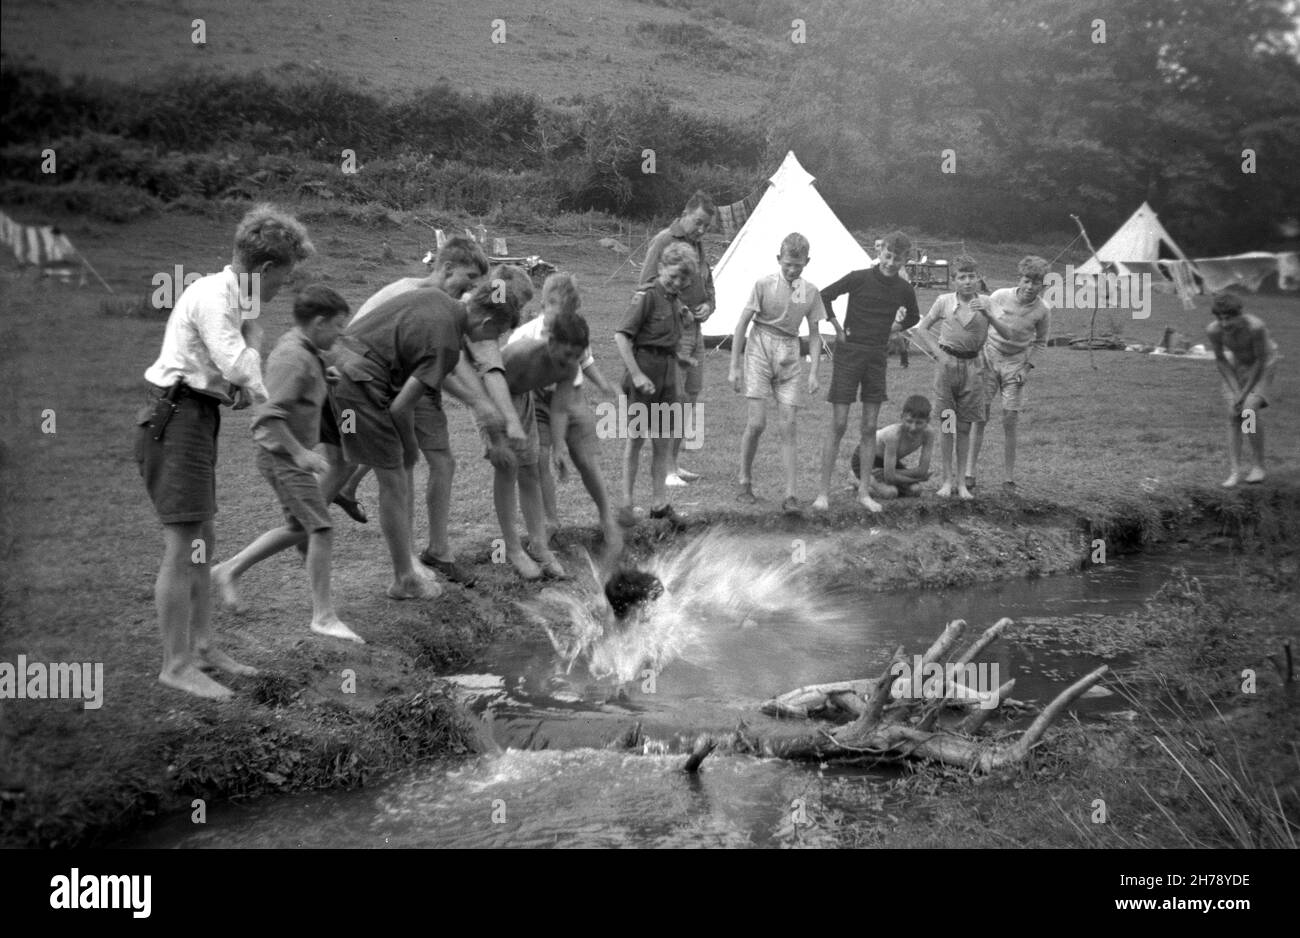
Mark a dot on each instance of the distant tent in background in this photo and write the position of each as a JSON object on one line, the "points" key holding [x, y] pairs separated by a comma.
{"points": [[1140, 241], [44, 247], [791, 203]]}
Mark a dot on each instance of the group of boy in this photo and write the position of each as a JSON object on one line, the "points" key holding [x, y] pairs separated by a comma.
{"points": [[369, 392]]}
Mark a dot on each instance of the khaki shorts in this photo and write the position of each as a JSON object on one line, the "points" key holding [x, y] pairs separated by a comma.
{"points": [[1005, 375], [774, 367], [527, 450], [960, 385], [298, 492], [1256, 399]]}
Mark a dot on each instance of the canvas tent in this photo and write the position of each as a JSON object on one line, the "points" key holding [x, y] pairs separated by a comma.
{"points": [[1141, 240], [791, 203]]}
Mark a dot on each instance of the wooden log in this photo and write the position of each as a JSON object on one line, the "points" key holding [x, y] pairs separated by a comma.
{"points": [[945, 641], [971, 723], [803, 701], [991, 635], [1020, 748], [876, 702]]}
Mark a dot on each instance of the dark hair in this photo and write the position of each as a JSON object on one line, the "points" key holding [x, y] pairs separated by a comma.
{"points": [[317, 300], [502, 293], [460, 251], [1227, 304], [918, 405], [627, 589], [700, 199], [569, 328], [897, 244]]}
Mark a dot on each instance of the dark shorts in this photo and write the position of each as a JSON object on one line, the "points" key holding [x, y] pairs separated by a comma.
{"points": [[298, 492], [660, 369], [180, 470], [367, 432], [431, 422], [691, 380], [329, 424], [854, 367], [582, 422]]}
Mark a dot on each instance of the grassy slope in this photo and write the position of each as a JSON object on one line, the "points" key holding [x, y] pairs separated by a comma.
{"points": [[572, 47]]}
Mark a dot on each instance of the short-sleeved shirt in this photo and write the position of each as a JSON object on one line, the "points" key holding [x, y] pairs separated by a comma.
{"points": [[296, 391], [653, 318], [530, 368], [782, 306], [414, 335], [960, 327], [535, 328], [701, 288], [203, 344], [874, 300], [1030, 324], [396, 288]]}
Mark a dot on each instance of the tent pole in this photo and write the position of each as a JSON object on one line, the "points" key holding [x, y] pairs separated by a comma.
{"points": [[1093, 322], [96, 273]]}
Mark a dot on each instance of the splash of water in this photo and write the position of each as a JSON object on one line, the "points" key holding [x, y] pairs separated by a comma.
{"points": [[712, 583]]}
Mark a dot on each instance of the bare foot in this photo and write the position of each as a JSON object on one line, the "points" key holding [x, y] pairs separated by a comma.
{"points": [[869, 503], [193, 681], [552, 567], [964, 493], [821, 503], [945, 490], [524, 565], [227, 593], [216, 658], [1256, 475], [417, 587], [1232, 480], [335, 629]]}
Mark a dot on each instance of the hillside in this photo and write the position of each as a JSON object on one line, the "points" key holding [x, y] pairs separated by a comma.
{"points": [[573, 48]]}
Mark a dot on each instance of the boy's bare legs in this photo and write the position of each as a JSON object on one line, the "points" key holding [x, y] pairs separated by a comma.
{"points": [[1009, 420], [831, 453], [1256, 473], [1234, 450], [349, 488], [546, 478], [225, 575], [787, 413], [963, 456], [631, 462], [689, 402], [867, 448], [207, 655], [530, 501], [661, 455], [976, 443], [755, 424], [504, 483], [437, 498], [395, 522], [946, 443], [173, 598], [584, 460], [324, 620]]}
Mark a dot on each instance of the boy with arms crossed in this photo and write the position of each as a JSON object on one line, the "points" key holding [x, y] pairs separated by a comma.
{"points": [[771, 365], [889, 478], [880, 302]]}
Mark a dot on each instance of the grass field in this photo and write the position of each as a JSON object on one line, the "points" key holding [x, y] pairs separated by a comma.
{"points": [[569, 48]]}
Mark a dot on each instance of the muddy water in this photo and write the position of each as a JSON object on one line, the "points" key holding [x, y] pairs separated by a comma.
{"points": [[734, 633]]}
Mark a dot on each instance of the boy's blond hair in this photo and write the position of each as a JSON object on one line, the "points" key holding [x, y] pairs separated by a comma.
{"points": [[268, 233], [679, 254], [562, 288]]}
